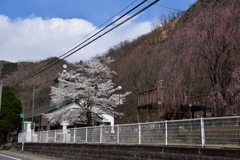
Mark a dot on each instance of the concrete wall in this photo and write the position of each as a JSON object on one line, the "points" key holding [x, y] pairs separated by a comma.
{"points": [[129, 152]]}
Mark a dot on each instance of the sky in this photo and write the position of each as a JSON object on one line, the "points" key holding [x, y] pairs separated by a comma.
{"points": [[33, 30]]}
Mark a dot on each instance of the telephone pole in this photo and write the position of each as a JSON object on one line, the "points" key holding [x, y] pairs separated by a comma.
{"points": [[33, 125], [0, 97]]}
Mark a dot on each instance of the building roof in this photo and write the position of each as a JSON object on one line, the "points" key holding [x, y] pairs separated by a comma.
{"points": [[42, 110], [46, 109]]}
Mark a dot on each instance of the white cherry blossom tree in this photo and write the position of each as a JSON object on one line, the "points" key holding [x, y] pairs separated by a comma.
{"points": [[90, 86]]}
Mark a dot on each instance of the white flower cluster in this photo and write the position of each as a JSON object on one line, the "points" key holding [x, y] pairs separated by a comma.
{"points": [[91, 87]]}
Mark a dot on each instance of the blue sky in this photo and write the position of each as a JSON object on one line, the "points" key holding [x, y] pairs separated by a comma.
{"points": [[37, 29]]}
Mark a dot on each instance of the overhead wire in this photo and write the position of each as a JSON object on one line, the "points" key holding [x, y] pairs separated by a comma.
{"points": [[105, 27], [166, 6], [57, 58], [75, 49], [113, 27], [99, 26]]}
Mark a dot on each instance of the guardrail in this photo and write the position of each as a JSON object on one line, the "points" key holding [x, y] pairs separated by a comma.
{"points": [[218, 131]]}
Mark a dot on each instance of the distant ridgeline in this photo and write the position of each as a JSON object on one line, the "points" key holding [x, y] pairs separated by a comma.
{"points": [[3, 62], [7, 68]]}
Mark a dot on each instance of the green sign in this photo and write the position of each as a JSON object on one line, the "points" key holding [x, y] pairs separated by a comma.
{"points": [[27, 121], [21, 115]]}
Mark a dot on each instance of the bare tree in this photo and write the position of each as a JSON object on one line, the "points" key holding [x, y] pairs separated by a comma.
{"points": [[203, 56]]}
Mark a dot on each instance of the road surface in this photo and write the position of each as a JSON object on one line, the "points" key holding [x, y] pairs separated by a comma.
{"points": [[10, 155]]}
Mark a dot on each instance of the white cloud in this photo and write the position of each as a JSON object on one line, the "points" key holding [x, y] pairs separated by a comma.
{"points": [[35, 38]]}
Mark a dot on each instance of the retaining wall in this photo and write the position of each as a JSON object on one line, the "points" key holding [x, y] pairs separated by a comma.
{"points": [[129, 152]]}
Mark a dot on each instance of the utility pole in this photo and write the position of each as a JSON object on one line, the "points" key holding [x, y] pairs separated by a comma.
{"points": [[0, 97], [33, 125], [119, 88]]}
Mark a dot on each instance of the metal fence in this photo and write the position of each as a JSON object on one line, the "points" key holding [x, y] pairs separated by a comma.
{"points": [[220, 131]]}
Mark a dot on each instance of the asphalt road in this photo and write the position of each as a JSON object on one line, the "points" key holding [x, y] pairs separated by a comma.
{"points": [[10, 155]]}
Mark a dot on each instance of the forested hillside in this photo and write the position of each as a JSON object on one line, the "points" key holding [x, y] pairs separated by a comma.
{"points": [[198, 51], [201, 52], [41, 83], [8, 69]]}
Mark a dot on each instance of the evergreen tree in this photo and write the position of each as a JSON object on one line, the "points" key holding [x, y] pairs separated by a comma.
{"points": [[10, 112]]}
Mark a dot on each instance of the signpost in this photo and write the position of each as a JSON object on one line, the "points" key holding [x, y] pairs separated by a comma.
{"points": [[21, 115]]}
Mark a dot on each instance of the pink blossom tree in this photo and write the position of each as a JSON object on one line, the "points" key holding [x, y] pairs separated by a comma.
{"points": [[203, 54]]}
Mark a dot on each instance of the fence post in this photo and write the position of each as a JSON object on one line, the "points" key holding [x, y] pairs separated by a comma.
{"points": [[55, 136], [101, 134], [118, 133], [22, 146], [64, 137], [40, 137], [47, 137], [86, 134], [74, 135], [202, 132], [139, 134], [166, 134], [31, 137]]}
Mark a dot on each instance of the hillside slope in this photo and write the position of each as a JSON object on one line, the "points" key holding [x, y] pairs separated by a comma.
{"points": [[165, 54], [139, 64], [41, 83]]}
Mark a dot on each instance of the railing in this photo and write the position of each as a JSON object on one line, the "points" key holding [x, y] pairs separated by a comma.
{"points": [[156, 95], [147, 97], [220, 131]]}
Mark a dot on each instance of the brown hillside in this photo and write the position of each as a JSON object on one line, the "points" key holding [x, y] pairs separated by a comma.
{"points": [[41, 83], [201, 5], [138, 64]]}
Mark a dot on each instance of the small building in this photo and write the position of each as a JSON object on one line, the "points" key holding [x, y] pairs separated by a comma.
{"points": [[42, 123]]}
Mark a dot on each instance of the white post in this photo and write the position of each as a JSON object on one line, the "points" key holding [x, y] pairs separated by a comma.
{"points": [[101, 134], [31, 139], [202, 132], [55, 136], [166, 134], [139, 134], [86, 135], [22, 146], [40, 137], [117, 133], [47, 137], [64, 137], [74, 135]]}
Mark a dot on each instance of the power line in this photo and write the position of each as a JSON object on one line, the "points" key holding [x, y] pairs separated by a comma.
{"points": [[101, 25], [105, 27], [75, 49], [113, 27], [57, 60], [166, 6]]}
